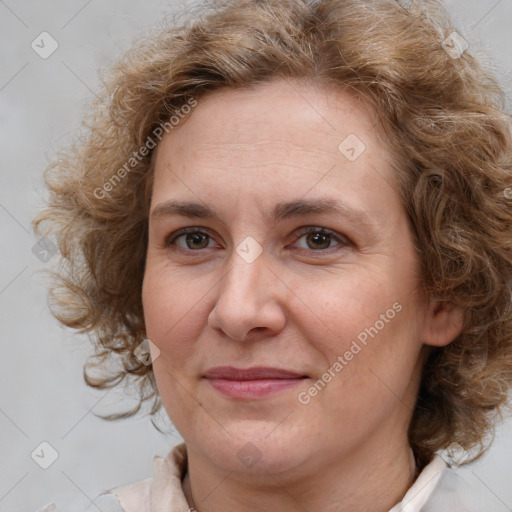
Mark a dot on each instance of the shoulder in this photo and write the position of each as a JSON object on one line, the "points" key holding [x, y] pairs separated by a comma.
{"points": [[455, 492], [441, 488], [162, 491]]}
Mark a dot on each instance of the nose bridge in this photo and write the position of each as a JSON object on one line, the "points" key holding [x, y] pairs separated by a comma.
{"points": [[245, 300], [248, 262], [246, 276]]}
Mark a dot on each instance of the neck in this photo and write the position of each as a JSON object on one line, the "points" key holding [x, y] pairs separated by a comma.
{"points": [[362, 482]]}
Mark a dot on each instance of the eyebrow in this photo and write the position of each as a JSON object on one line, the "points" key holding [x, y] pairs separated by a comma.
{"points": [[284, 210]]}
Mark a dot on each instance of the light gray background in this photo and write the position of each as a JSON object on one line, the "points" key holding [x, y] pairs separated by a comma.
{"points": [[42, 393]]}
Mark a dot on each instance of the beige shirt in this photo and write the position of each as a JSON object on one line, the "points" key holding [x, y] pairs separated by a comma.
{"points": [[437, 489]]}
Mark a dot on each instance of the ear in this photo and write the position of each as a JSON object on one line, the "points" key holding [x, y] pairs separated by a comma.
{"points": [[443, 323]]}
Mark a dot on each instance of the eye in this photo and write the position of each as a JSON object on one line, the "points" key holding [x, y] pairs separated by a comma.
{"points": [[193, 239], [319, 239]]}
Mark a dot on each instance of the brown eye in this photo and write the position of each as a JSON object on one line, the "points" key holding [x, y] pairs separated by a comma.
{"points": [[196, 240], [320, 239], [193, 239]]}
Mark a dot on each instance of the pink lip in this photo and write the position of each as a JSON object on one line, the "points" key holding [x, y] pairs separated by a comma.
{"points": [[256, 382]]}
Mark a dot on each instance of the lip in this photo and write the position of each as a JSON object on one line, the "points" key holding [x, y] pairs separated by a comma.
{"points": [[251, 383], [253, 373]]}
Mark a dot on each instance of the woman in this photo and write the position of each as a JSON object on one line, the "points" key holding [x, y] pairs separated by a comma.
{"points": [[302, 210]]}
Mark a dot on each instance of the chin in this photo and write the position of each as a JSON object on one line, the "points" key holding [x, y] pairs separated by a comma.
{"points": [[257, 448]]}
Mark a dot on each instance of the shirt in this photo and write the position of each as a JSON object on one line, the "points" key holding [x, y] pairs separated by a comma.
{"points": [[437, 489]]}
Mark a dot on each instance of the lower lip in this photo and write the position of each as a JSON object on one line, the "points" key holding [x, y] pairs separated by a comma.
{"points": [[252, 388]]}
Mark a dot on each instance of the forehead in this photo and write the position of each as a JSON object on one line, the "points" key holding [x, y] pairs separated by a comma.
{"points": [[274, 138], [279, 110]]}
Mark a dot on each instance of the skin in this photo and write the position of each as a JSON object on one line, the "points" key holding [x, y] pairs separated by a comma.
{"points": [[299, 305]]}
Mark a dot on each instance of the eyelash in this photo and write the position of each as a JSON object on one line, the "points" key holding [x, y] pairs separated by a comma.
{"points": [[343, 241]]}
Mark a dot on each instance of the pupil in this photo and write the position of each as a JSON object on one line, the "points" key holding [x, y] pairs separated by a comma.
{"points": [[317, 237], [196, 238]]}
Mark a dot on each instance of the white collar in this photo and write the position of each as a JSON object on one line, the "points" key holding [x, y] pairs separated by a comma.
{"points": [[421, 490]]}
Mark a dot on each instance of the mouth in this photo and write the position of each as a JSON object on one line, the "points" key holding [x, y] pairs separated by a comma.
{"points": [[252, 383]]}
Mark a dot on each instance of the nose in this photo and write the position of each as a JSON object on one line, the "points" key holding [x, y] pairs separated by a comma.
{"points": [[249, 300]]}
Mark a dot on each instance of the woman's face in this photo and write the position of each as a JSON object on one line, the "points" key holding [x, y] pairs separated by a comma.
{"points": [[253, 287]]}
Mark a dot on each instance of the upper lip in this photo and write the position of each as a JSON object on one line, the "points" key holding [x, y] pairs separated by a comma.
{"points": [[254, 373]]}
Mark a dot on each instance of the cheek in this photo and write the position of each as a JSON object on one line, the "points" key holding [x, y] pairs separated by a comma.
{"points": [[169, 313], [345, 307], [367, 319], [368, 361], [174, 313], [164, 299], [162, 309]]}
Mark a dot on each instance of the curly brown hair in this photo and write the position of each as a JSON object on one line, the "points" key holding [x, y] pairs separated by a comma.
{"points": [[443, 114]]}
